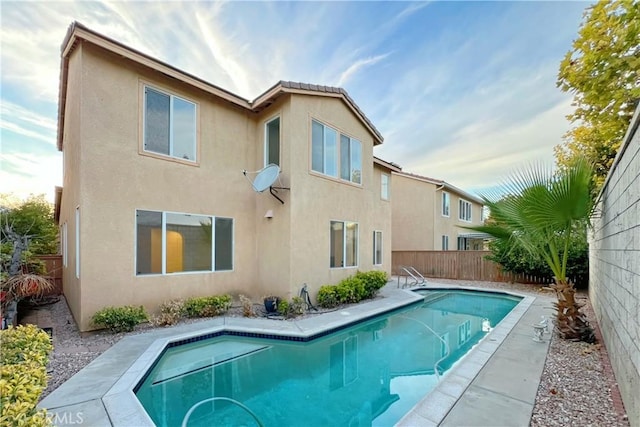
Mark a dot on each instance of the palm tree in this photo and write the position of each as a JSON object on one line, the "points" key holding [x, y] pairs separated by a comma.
{"points": [[539, 213]]}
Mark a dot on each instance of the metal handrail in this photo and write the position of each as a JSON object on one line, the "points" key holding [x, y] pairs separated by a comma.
{"points": [[185, 420], [416, 281], [446, 344], [417, 273]]}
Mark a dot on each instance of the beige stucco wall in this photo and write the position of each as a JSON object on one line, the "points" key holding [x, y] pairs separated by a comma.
{"points": [[271, 255], [71, 180], [413, 205], [117, 180], [273, 236], [317, 199]]}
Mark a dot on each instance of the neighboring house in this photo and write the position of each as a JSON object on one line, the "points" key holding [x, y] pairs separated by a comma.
{"points": [[428, 215], [155, 206]]}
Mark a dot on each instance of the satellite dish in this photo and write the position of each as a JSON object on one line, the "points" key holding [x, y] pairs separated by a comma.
{"points": [[266, 177]]}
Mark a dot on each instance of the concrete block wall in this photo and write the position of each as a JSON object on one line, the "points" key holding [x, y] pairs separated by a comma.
{"points": [[614, 268]]}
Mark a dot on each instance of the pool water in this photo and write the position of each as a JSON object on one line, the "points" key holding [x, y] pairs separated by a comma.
{"points": [[371, 373]]}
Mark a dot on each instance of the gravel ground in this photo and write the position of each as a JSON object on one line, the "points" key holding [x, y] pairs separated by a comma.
{"points": [[575, 389]]}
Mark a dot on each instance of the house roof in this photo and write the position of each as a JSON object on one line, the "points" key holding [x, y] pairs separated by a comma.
{"points": [[78, 32], [394, 167], [442, 184], [283, 87]]}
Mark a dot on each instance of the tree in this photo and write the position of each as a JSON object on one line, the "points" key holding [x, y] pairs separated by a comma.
{"points": [[516, 260], [602, 70], [540, 214], [27, 228]]}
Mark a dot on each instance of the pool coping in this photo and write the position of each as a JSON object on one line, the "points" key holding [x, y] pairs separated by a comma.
{"points": [[102, 393]]}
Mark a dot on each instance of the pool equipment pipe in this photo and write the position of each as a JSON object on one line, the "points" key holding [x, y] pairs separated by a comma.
{"points": [[304, 294]]}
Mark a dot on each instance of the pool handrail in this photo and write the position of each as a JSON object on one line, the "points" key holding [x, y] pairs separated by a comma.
{"points": [[418, 279], [185, 420]]}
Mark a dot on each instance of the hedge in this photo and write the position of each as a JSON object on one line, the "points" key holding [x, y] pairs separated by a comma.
{"points": [[23, 375], [207, 306], [353, 289]]}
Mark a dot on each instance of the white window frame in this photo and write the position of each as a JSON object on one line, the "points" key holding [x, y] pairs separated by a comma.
{"points": [[344, 244], [164, 245], [446, 204], [338, 165], [65, 246], [171, 115], [464, 332], [349, 376], [385, 187], [266, 140], [77, 238], [445, 242], [376, 261], [465, 210]]}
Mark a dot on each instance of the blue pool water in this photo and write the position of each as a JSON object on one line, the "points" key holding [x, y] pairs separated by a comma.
{"points": [[371, 373]]}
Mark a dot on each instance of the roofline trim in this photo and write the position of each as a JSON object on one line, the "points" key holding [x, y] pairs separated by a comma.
{"points": [[77, 32], [443, 184], [389, 165]]}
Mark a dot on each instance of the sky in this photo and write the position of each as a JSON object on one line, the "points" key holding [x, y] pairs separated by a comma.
{"points": [[461, 91]]}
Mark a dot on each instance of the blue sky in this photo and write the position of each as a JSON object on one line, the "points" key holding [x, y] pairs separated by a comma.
{"points": [[461, 91]]}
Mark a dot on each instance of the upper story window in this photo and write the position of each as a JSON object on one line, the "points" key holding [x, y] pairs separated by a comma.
{"points": [[445, 203], [350, 159], [169, 125], [384, 186], [272, 142], [464, 210], [325, 147]]}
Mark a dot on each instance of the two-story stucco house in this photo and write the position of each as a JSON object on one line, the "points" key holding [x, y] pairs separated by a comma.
{"points": [[428, 215], [155, 205]]}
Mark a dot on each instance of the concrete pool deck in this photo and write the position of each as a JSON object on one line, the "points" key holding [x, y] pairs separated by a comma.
{"points": [[496, 384]]}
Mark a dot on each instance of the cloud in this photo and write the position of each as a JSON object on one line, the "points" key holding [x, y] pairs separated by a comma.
{"points": [[357, 66], [482, 154], [458, 90], [19, 120], [24, 174]]}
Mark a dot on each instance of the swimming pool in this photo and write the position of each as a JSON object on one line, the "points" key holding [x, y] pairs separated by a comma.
{"points": [[371, 373]]}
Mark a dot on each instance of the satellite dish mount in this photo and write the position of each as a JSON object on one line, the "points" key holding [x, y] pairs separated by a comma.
{"points": [[265, 178]]}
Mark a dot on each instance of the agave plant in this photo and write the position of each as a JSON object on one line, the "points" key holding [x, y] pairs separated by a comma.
{"points": [[538, 212]]}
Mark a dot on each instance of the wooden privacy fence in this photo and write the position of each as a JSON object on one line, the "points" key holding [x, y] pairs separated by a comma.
{"points": [[53, 271], [459, 265]]}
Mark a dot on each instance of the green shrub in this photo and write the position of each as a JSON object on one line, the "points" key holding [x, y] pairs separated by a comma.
{"points": [[207, 306], [352, 289], [373, 281], [327, 297], [293, 308], [23, 375], [120, 319], [283, 307], [24, 344], [170, 313], [515, 259]]}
